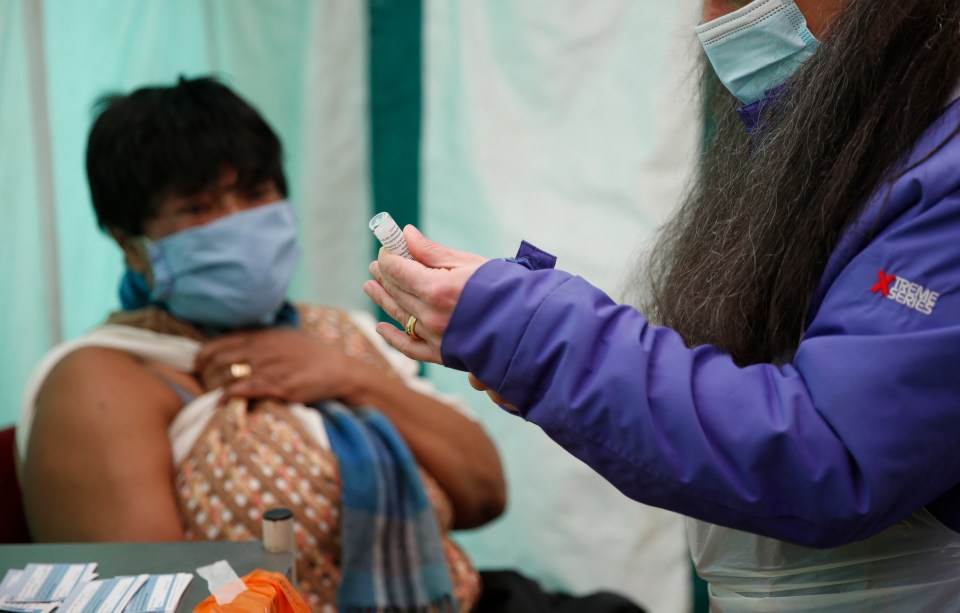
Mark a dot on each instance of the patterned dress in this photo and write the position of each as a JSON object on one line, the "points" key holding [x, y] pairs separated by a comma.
{"points": [[252, 458]]}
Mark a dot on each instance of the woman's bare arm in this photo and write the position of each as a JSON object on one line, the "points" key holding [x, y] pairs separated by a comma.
{"points": [[454, 449], [98, 466]]}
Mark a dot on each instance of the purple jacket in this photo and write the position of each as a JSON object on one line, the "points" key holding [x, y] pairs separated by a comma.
{"points": [[861, 430]]}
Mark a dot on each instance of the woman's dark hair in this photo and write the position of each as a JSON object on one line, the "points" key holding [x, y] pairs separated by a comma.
{"points": [[159, 141], [738, 265]]}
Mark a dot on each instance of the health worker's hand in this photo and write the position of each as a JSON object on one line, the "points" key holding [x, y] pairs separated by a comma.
{"points": [[427, 288], [277, 363], [495, 397]]}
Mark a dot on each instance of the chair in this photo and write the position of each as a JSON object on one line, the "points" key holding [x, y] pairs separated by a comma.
{"points": [[13, 522]]}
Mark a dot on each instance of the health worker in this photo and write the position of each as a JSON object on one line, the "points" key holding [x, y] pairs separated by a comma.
{"points": [[790, 381]]}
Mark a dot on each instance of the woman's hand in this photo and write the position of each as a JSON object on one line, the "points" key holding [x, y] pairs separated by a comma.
{"points": [[284, 364], [427, 289], [277, 363]]}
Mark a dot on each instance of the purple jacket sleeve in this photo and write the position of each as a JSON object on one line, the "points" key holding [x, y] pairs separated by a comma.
{"points": [[861, 430]]}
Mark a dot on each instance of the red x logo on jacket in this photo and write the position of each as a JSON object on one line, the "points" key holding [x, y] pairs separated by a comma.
{"points": [[883, 285]]}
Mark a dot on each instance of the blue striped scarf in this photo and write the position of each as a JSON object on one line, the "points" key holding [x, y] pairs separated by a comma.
{"points": [[392, 556]]}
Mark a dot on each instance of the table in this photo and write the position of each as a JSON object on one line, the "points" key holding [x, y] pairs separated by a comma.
{"points": [[115, 559]]}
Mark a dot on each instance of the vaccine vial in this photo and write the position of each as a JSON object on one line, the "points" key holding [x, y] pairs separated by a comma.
{"points": [[389, 234], [278, 530]]}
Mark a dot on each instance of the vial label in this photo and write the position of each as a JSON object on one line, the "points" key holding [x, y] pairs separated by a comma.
{"points": [[389, 234]]}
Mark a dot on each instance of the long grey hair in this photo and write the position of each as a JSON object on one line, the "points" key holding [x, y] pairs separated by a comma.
{"points": [[739, 263]]}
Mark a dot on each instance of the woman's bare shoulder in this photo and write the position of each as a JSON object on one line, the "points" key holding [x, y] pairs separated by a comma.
{"points": [[100, 380]]}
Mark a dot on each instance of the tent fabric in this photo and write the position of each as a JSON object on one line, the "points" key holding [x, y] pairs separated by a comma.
{"points": [[572, 128], [568, 124]]}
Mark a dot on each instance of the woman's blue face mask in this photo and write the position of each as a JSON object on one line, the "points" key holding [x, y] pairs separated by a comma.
{"points": [[230, 273], [758, 47]]}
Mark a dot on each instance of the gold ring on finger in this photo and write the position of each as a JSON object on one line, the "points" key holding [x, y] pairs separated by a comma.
{"points": [[240, 370], [411, 328]]}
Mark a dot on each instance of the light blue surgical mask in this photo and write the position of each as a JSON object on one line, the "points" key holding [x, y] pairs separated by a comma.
{"points": [[230, 273], [758, 47]]}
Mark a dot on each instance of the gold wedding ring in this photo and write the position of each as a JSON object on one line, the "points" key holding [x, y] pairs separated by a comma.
{"points": [[411, 328], [240, 370]]}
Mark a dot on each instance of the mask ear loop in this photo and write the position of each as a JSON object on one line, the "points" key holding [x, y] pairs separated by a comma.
{"points": [[140, 245], [136, 253]]}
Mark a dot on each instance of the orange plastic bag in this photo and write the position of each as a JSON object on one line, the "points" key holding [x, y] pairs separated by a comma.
{"points": [[267, 592]]}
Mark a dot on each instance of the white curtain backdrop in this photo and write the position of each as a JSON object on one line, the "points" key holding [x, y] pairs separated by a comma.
{"points": [[334, 168], [563, 122], [569, 124]]}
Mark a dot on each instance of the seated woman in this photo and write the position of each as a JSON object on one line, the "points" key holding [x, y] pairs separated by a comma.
{"points": [[210, 398]]}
